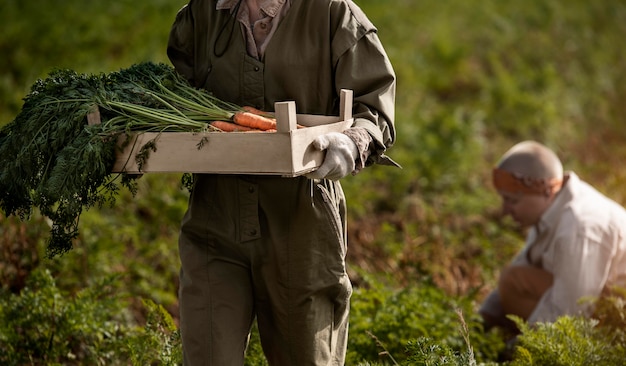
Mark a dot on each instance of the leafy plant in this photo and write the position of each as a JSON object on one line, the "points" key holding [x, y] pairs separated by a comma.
{"points": [[398, 317], [569, 341], [254, 352], [45, 325], [425, 351], [158, 342], [610, 312]]}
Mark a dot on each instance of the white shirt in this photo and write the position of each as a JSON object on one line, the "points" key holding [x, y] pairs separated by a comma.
{"points": [[581, 240]]}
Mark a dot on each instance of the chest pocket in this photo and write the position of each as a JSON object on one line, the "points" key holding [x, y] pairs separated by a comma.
{"points": [[236, 77]]}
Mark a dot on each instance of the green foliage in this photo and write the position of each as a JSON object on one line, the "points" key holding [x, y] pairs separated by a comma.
{"points": [[159, 342], [505, 72], [138, 242], [610, 312], [397, 318], [570, 341], [92, 37], [254, 352], [19, 250], [425, 352], [45, 325]]}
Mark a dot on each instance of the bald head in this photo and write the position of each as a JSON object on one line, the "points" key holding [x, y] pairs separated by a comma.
{"points": [[528, 178], [533, 160]]}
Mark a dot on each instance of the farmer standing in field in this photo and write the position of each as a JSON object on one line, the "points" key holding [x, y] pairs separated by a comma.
{"points": [[575, 248], [264, 246]]}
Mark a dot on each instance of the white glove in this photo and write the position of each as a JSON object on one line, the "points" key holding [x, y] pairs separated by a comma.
{"points": [[341, 155]]}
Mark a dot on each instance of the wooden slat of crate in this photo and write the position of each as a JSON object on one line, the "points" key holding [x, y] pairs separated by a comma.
{"points": [[287, 152]]}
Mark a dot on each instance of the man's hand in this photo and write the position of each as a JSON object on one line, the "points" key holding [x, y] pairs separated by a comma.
{"points": [[341, 154]]}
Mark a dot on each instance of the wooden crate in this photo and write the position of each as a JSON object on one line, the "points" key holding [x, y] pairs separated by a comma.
{"points": [[287, 152]]}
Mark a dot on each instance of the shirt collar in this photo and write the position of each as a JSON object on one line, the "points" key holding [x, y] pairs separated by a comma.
{"points": [[269, 7], [226, 4]]}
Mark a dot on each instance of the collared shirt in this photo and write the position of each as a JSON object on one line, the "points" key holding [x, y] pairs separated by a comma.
{"points": [[581, 240], [258, 33]]}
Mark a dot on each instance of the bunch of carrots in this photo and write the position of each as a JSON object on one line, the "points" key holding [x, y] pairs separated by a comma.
{"points": [[249, 119], [53, 159]]}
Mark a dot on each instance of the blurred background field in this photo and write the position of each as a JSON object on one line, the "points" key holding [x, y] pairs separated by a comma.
{"points": [[473, 79]]}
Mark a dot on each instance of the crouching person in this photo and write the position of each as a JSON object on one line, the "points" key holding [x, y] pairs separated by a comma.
{"points": [[575, 247]]}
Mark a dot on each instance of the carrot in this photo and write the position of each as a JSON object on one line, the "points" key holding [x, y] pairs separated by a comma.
{"points": [[254, 130], [251, 109], [230, 127], [268, 115], [253, 120]]}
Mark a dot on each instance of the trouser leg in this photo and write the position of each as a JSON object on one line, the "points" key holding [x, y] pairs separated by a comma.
{"points": [[521, 288], [216, 307], [303, 302]]}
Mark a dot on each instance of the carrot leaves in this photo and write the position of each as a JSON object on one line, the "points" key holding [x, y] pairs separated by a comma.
{"points": [[52, 160]]}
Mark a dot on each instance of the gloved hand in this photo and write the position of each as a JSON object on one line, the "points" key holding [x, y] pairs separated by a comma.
{"points": [[341, 155]]}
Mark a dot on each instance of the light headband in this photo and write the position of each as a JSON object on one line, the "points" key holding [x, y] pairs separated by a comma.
{"points": [[517, 183]]}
